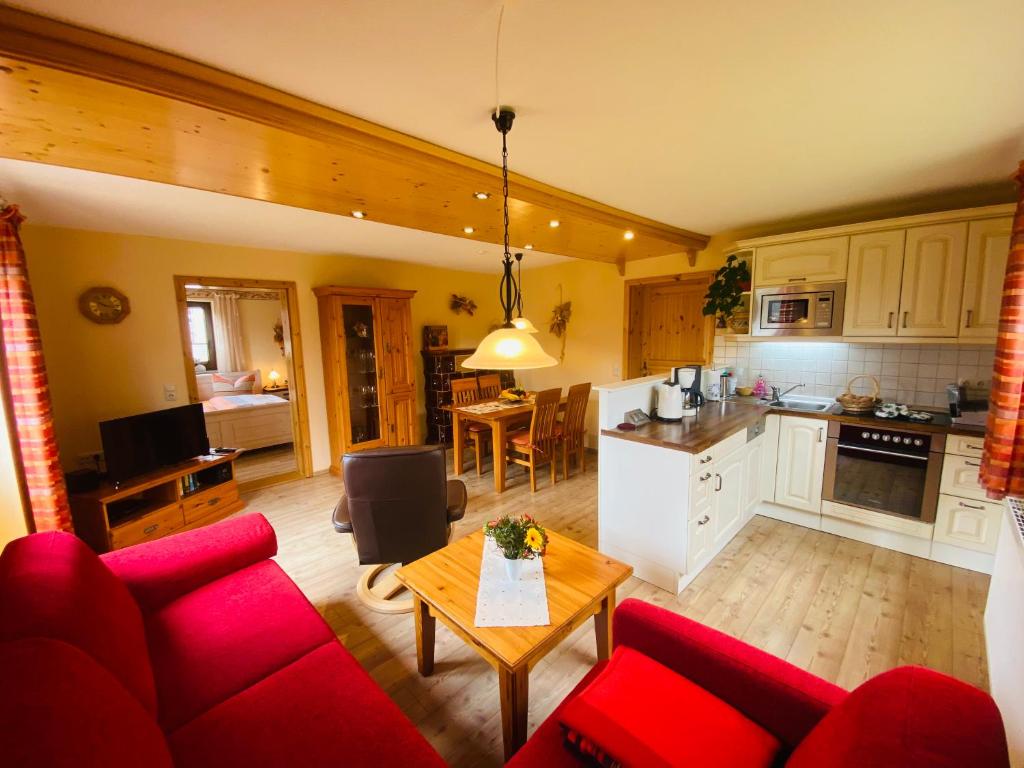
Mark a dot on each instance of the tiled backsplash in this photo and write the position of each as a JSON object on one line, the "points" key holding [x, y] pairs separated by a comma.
{"points": [[907, 373]]}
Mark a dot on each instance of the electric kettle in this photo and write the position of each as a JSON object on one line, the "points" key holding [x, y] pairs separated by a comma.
{"points": [[670, 400]]}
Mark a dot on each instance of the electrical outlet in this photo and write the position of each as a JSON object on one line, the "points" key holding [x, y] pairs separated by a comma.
{"points": [[616, 370], [170, 393]]}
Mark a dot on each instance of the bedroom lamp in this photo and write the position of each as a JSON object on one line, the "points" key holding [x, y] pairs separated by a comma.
{"points": [[273, 376], [509, 348]]}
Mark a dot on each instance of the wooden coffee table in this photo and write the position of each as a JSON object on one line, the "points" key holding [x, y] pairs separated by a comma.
{"points": [[580, 583]]}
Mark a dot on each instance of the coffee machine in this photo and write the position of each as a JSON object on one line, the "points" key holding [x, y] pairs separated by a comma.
{"points": [[688, 377]]}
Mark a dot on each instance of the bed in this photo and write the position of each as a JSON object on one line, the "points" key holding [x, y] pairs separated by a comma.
{"points": [[238, 415]]}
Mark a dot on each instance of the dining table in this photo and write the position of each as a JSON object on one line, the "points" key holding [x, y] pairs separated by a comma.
{"points": [[498, 414]]}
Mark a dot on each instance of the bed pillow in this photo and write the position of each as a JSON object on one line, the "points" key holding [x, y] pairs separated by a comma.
{"points": [[640, 712], [246, 381]]}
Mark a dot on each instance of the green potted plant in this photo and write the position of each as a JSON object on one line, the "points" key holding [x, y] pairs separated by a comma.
{"points": [[518, 538], [725, 294]]}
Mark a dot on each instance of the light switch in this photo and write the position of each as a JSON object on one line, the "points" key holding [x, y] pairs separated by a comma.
{"points": [[170, 393], [616, 370]]}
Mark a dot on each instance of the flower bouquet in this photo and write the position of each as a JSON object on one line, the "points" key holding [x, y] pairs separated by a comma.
{"points": [[518, 538]]}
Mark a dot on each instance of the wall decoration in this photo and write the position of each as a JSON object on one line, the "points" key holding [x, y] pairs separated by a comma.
{"points": [[104, 305], [435, 337], [279, 335], [560, 321], [461, 304]]}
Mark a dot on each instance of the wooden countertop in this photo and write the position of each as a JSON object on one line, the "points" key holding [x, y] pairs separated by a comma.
{"points": [[712, 424], [717, 420]]}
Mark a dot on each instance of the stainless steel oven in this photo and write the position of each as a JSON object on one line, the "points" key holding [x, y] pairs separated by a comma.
{"points": [[804, 309], [886, 470]]}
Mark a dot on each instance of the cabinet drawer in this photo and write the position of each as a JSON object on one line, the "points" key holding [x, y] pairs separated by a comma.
{"points": [[702, 462], [207, 502], [702, 489], [960, 477], [967, 523], [148, 527], [962, 445], [698, 546]]}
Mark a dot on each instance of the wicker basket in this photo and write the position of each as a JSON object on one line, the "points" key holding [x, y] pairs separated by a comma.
{"points": [[859, 403]]}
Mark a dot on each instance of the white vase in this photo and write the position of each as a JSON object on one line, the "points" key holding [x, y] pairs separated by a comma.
{"points": [[513, 569]]}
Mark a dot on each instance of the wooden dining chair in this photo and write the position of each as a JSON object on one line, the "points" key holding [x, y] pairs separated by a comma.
{"points": [[465, 392], [490, 386], [533, 447], [572, 428]]}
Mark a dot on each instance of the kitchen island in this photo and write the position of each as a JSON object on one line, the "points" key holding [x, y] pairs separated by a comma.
{"points": [[671, 495]]}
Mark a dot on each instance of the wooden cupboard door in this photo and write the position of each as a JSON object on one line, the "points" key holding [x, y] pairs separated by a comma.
{"points": [[873, 283], [401, 419], [966, 523], [960, 477], [933, 280], [729, 488], [675, 329], [809, 261], [801, 464], [396, 337], [988, 245]]}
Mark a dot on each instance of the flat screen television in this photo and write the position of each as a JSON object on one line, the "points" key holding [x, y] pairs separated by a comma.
{"points": [[135, 445]]}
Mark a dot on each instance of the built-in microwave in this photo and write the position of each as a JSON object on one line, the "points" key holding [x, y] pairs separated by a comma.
{"points": [[806, 309]]}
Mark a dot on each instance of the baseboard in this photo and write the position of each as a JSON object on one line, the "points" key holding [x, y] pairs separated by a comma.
{"points": [[901, 542], [789, 515], [962, 558]]}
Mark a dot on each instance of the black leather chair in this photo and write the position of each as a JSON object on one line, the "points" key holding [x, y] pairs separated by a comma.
{"points": [[398, 506]]}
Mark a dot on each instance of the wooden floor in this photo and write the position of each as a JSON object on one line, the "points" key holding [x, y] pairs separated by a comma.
{"points": [[265, 462], [842, 609]]}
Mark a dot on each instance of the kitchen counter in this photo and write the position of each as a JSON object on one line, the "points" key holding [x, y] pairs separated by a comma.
{"points": [[713, 423]]}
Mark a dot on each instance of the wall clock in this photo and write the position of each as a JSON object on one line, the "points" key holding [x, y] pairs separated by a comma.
{"points": [[104, 305]]}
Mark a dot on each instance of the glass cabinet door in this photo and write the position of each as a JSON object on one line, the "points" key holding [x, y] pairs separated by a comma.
{"points": [[361, 368]]}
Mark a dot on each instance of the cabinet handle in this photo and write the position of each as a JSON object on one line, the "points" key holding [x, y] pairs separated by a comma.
{"points": [[797, 280], [892, 316], [972, 464], [974, 447], [150, 528], [967, 322], [718, 487], [704, 520], [212, 502], [821, 434], [705, 477], [905, 316], [970, 506], [705, 460]]}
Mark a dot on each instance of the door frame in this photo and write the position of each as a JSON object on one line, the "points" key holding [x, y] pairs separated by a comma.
{"points": [[633, 291], [294, 361]]}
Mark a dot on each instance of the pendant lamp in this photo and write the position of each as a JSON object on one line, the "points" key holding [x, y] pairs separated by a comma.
{"points": [[522, 323], [509, 348]]}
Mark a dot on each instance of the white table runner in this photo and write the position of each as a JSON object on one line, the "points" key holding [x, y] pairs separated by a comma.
{"points": [[504, 603]]}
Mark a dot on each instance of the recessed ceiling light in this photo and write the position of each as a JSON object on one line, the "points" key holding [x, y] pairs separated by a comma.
{"points": [[481, 195], [554, 223], [359, 214], [468, 230], [528, 246], [628, 234]]}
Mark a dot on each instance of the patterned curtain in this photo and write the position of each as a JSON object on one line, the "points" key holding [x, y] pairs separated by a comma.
{"points": [[1002, 464], [27, 386]]}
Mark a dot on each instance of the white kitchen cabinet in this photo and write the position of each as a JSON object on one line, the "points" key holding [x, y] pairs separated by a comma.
{"points": [[808, 261], [968, 523], [964, 445], [933, 280], [800, 469], [753, 466], [960, 477], [771, 455], [727, 512], [873, 283], [698, 545], [988, 245]]}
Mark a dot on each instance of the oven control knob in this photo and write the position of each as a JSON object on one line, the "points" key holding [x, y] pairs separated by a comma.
{"points": [[874, 435], [897, 439], [919, 442], [885, 438], [865, 435]]}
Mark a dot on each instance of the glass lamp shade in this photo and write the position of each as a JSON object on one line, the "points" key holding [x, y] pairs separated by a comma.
{"points": [[523, 324], [509, 349]]}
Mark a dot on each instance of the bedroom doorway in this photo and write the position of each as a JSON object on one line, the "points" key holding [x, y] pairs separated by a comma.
{"points": [[242, 352]]}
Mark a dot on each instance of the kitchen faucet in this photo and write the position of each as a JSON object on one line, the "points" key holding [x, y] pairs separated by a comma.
{"points": [[777, 395]]}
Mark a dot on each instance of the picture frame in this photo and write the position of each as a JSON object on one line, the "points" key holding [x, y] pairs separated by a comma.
{"points": [[435, 337]]}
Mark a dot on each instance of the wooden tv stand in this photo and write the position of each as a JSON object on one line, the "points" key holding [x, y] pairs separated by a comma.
{"points": [[147, 507]]}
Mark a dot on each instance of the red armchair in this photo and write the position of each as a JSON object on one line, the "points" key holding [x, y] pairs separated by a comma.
{"points": [[906, 717], [193, 650]]}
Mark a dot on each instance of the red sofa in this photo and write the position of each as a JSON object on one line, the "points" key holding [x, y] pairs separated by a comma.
{"points": [[906, 718], [194, 650]]}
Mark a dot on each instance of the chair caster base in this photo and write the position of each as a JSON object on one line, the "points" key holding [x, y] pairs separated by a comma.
{"points": [[379, 595]]}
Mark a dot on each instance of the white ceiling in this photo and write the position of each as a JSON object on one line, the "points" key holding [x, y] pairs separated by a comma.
{"points": [[65, 197], [706, 115]]}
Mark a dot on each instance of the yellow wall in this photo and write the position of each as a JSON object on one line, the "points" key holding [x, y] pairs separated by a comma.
{"points": [[261, 351], [99, 372]]}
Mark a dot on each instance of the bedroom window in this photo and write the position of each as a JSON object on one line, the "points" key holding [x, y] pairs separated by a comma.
{"points": [[200, 329]]}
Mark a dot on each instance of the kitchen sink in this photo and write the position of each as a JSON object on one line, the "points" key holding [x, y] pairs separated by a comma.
{"points": [[802, 404]]}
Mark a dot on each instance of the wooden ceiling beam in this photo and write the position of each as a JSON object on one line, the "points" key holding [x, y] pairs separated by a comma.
{"points": [[82, 99]]}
